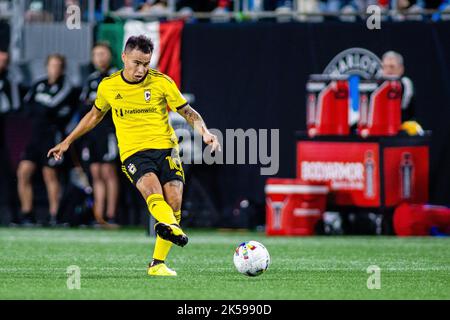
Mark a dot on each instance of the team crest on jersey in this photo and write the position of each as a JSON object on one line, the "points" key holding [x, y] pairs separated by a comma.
{"points": [[147, 95], [131, 168]]}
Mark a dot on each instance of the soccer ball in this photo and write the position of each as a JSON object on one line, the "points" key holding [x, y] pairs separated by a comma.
{"points": [[251, 258]]}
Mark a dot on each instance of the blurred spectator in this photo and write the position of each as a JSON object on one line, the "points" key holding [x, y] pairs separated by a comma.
{"points": [[309, 7], [187, 14], [9, 92], [287, 3], [221, 12], [333, 6], [156, 7], [9, 102], [127, 8], [351, 5], [68, 4], [403, 4], [5, 7], [99, 147], [50, 104], [392, 63], [284, 11], [36, 13]]}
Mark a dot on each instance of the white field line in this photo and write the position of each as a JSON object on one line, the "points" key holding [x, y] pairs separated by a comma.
{"points": [[232, 239], [307, 269]]}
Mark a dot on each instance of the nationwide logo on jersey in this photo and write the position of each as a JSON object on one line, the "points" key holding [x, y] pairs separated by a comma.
{"points": [[118, 97], [147, 95], [136, 111], [131, 168], [119, 112]]}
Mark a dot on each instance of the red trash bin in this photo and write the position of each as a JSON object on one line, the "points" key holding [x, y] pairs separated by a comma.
{"points": [[293, 207]]}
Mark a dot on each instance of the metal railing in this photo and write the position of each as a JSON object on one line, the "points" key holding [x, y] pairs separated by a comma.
{"points": [[56, 10], [46, 10], [395, 15]]}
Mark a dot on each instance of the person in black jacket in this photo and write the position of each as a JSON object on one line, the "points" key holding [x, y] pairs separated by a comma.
{"points": [[392, 63], [99, 147], [9, 103], [50, 104]]}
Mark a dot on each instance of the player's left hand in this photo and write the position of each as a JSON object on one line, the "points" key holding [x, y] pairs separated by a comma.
{"points": [[211, 139]]}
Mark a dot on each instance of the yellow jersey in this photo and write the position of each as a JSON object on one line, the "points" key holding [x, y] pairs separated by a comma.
{"points": [[139, 110]]}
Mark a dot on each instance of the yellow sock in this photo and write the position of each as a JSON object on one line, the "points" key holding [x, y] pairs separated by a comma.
{"points": [[177, 215], [160, 210], [162, 247]]}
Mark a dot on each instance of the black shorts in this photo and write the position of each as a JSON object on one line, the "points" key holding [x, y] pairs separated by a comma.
{"points": [[100, 146], [36, 151], [164, 163]]}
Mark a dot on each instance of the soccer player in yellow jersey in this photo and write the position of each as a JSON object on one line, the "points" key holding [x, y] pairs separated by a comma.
{"points": [[138, 97]]}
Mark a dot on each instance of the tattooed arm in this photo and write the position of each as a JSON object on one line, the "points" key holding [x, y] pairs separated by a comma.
{"points": [[196, 121]]}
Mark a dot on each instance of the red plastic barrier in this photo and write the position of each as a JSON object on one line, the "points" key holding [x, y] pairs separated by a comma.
{"points": [[380, 108], [418, 220], [327, 105]]}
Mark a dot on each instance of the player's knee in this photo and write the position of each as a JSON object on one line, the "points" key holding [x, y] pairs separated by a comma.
{"points": [[174, 202], [173, 192], [95, 172], [108, 172], [149, 185], [50, 175], [25, 172]]}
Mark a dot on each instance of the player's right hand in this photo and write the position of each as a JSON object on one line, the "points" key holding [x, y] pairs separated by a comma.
{"points": [[211, 139], [58, 150]]}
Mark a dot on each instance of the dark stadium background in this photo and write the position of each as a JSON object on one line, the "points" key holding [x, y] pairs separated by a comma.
{"points": [[253, 75]]}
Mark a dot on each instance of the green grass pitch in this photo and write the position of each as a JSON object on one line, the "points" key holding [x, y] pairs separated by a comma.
{"points": [[33, 265]]}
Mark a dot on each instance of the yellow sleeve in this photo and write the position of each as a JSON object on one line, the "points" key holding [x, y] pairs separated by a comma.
{"points": [[174, 98], [100, 102]]}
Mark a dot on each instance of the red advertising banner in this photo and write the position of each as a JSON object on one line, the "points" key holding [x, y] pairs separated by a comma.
{"points": [[366, 174], [351, 170], [406, 172]]}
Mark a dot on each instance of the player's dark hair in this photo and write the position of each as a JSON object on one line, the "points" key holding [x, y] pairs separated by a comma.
{"points": [[58, 56], [103, 44], [141, 43]]}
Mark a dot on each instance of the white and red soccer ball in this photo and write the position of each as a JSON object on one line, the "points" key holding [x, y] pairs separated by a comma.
{"points": [[251, 258]]}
